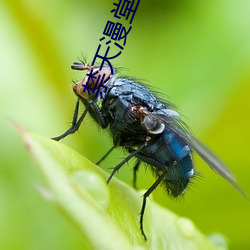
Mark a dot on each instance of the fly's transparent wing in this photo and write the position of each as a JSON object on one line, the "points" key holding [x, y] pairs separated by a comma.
{"points": [[174, 123], [208, 156]]}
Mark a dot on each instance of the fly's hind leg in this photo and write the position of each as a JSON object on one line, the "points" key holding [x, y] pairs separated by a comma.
{"points": [[145, 196]]}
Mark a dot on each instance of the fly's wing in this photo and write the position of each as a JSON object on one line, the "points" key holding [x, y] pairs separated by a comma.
{"points": [[175, 124], [212, 160]]}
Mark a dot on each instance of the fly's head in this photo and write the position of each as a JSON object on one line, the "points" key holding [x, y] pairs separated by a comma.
{"points": [[87, 88]]}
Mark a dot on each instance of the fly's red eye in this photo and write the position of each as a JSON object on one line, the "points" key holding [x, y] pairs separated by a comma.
{"points": [[96, 76], [92, 81]]}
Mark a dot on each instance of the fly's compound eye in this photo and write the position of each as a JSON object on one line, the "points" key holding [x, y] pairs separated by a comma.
{"points": [[94, 78], [152, 125]]}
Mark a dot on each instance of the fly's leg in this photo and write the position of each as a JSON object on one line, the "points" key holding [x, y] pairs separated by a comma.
{"points": [[135, 169], [125, 160], [145, 196], [97, 114], [94, 110], [105, 155], [75, 124]]}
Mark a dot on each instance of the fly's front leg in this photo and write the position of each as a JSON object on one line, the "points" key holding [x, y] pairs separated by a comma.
{"points": [[95, 112], [75, 124]]}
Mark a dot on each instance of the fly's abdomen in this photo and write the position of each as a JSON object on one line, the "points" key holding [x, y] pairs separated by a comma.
{"points": [[180, 166], [168, 154], [178, 176]]}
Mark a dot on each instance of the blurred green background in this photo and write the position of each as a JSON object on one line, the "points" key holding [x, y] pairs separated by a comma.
{"points": [[195, 52]]}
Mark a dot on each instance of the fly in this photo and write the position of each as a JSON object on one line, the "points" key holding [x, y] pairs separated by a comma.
{"points": [[149, 128]]}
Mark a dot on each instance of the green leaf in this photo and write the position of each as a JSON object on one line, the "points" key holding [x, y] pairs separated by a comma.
{"points": [[106, 215]]}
